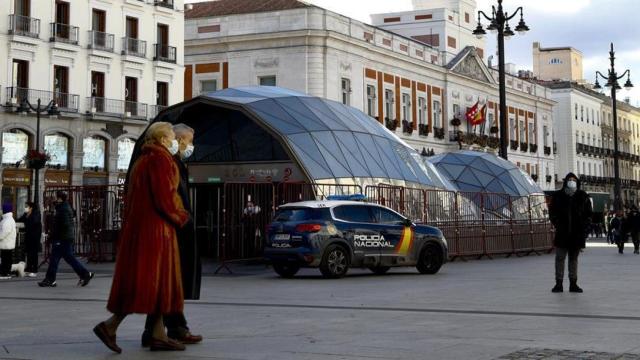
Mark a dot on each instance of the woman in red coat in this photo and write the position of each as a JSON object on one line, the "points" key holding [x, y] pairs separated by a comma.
{"points": [[147, 278]]}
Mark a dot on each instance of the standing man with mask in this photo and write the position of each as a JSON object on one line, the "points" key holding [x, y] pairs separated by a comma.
{"points": [[570, 213], [189, 257]]}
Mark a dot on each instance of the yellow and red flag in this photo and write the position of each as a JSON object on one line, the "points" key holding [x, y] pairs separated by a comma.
{"points": [[476, 115]]}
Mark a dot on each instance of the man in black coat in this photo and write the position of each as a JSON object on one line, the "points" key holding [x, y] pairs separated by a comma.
{"points": [[33, 233], [190, 264], [62, 237], [570, 212], [634, 228]]}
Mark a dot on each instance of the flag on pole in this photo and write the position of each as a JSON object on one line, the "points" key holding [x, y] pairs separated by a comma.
{"points": [[476, 115]]}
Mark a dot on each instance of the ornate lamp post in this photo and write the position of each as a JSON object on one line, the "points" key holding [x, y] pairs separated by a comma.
{"points": [[51, 109], [612, 84], [499, 22]]}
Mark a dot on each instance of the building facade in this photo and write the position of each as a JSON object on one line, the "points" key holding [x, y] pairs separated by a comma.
{"points": [[407, 85], [557, 63], [108, 65]]}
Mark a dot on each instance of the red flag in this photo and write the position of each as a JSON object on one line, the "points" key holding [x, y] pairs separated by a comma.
{"points": [[475, 115], [472, 111]]}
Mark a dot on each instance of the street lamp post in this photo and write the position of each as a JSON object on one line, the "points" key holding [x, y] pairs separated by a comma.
{"points": [[499, 22], [51, 109], [612, 83]]}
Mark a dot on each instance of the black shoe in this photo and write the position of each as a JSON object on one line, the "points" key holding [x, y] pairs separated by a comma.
{"points": [[86, 280], [47, 283], [575, 288], [558, 288], [145, 341]]}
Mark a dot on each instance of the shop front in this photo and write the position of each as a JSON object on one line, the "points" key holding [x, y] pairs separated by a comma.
{"points": [[16, 188], [94, 161]]}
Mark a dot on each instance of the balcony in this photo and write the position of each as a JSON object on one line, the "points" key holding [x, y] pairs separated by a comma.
{"points": [[116, 108], [66, 102], [101, 41], [524, 146], [438, 133], [164, 3], [533, 148], [24, 26], [547, 150], [514, 145], [134, 47], [155, 110], [64, 33], [164, 53]]}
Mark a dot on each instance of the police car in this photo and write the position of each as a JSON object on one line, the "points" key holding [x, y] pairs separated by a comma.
{"points": [[335, 235]]}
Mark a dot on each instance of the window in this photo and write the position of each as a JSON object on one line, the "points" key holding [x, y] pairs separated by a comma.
{"points": [[131, 27], [99, 21], [587, 115], [532, 134], [545, 134], [406, 105], [576, 112], [208, 86], [388, 104], [162, 93], [346, 91], [512, 127], [125, 150], [14, 146], [593, 116], [267, 80], [371, 100], [581, 113], [353, 213], [131, 95], [437, 110], [582, 139], [302, 214], [94, 149], [385, 216], [20, 74], [422, 107], [57, 146], [522, 131]]}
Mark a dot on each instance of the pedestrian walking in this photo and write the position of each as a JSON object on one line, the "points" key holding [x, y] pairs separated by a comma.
{"points": [[62, 236], [617, 230], [7, 240], [570, 214], [32, 221], [634, 227], [147, 278], [190, 264]]}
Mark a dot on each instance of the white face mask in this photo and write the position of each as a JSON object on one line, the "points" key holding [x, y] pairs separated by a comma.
{"points": [[571, 184], [188, 151], [173, 149]]}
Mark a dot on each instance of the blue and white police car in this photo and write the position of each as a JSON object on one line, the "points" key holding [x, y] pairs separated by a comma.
{"points": [[334, 235]]}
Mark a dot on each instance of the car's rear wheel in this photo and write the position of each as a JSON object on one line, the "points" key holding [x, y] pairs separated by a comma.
{"points": [[335, 262], [431, 259], [379, 270], [286, 270]]}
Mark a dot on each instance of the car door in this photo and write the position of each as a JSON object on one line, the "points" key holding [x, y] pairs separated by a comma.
{"points": [[395, 248], [357, 226]]}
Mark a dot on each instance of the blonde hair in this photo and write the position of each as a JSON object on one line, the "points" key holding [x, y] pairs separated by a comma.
{"points": [[157, 131]]}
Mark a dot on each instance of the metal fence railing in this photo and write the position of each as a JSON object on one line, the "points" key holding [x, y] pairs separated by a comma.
{"points": [[101, 41], [24, 26], [135, 47], [64, 33], [65, 102]]}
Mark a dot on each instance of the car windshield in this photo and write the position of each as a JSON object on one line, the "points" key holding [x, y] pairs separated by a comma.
{"points": [[301, 214]]}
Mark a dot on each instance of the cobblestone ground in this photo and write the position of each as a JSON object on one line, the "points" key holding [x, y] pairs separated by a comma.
{"points": [[549, 354]]}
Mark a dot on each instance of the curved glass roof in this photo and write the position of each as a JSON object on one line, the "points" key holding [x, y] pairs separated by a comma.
{"points": [[331, 140], [484, 172]]}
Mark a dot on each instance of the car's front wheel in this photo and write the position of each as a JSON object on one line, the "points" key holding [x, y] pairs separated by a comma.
{"points": [[431, 259], [335, 262], [286, 270]]}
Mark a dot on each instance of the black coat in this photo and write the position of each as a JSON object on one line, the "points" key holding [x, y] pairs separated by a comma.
{"points": [[633, 220], [571, 216], [63, 224], [33, 231], [189, 256]]}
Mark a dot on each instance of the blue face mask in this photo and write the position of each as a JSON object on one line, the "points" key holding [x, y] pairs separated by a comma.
{"points": [[188, 151], [173, 149]]}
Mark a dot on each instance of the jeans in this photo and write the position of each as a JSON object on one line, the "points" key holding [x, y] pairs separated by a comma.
{"points": [[64, 250], [6, 259], [561, 254]]}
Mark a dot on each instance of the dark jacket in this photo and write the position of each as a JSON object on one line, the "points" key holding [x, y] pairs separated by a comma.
{"points": [[63, 224], [571, 216], [33, 230], [189, 256], [633, 220]]}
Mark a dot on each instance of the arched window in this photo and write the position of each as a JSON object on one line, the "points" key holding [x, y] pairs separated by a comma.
{"points": [[125, 150], [95, 151], [15, 144], [57, 146]]}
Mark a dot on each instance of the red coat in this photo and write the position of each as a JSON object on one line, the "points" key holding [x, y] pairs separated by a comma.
{"points": [[147, 278]]}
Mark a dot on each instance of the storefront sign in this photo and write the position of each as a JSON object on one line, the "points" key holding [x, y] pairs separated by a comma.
{"points": [[16, 177], [57, 178], [95, 180], [269, 172]]}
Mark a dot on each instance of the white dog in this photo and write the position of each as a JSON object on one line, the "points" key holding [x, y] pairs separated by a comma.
{"points": [[19, 268]]}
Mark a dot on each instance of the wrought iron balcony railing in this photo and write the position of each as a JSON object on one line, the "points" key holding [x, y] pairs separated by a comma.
{"points": [[65, 102], [24, 25], [164, 53], [64, 33], [101, 41], [117, 108], [164, 3], [135, 47], [155, 110]]}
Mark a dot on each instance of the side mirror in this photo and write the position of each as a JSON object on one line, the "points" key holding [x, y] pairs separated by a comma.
{"points": [[407, 222]]}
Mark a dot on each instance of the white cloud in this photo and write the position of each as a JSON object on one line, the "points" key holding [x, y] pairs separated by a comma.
{"points": [[550, 7]]}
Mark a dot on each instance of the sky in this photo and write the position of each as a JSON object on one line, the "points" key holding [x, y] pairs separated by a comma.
{"points": [[587, 25]]}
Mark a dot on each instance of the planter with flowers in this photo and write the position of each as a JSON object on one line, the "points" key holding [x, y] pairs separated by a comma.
{"points": [[36, 159]]}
